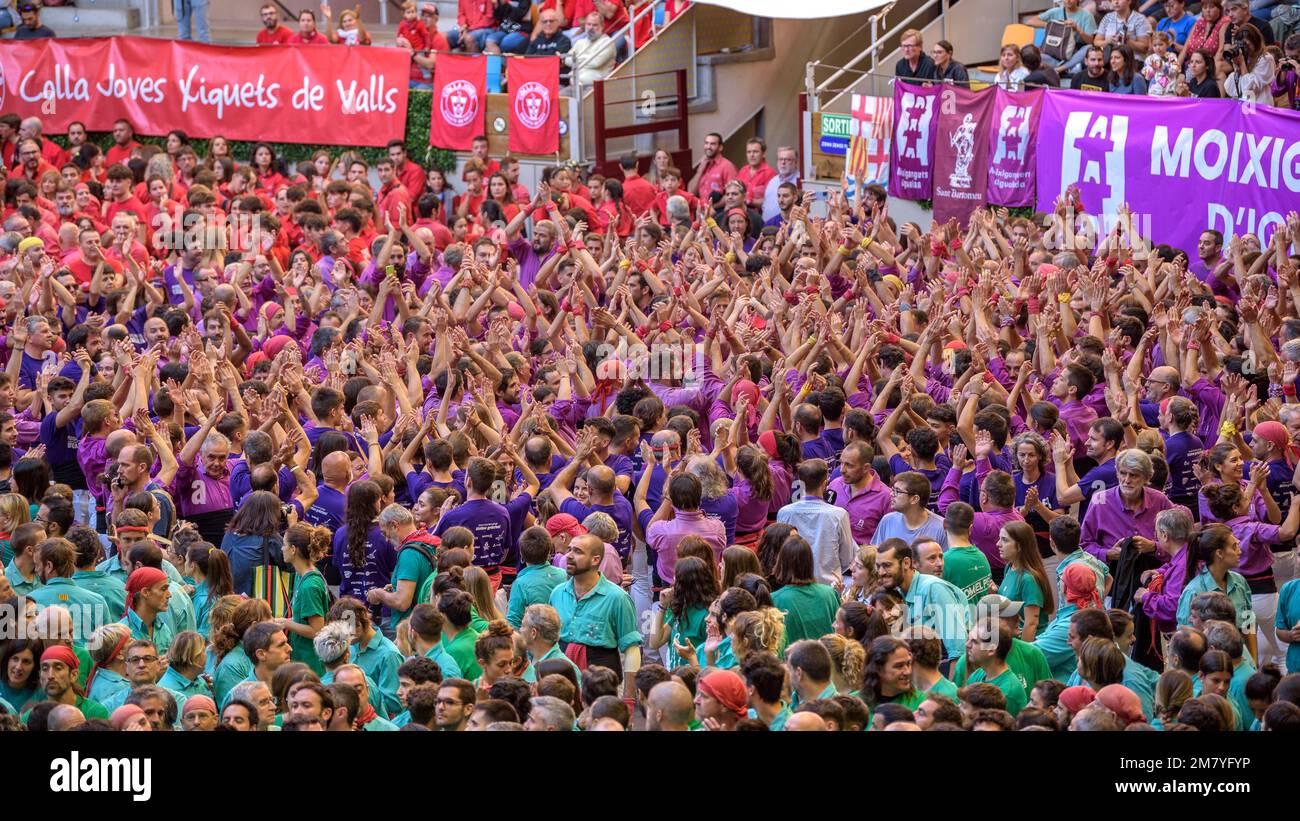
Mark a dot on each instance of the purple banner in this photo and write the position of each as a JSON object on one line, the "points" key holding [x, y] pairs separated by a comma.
{"points": [[1181, 165], [1012, 149], [912, 150], [961, 155]]}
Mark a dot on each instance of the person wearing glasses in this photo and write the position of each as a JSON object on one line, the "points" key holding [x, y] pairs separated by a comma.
{"points": [[143, 667], [456, 699], [915, 64], [910, 519]]}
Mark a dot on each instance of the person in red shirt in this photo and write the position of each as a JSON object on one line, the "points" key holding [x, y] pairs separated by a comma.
{"points": [[713, 171], [32, 166], [510, 168], [9, 125], [88, 255], [422, 60], [469, 203], [671, 181], [562, 190], [118, 195], [478, 150], [410, 173], [123, 143], [32, 128], [124, 241], [498, 189], [273, 33], [638, 194], [411, 32], [474, 22], [307, 33], [613, 12], [757, 173], [392, 193], [267, 167], [614, 210]]}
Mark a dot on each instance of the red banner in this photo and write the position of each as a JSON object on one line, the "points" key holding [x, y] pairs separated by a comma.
{"points": [[534, 105], [294, 94], [459, 101]]}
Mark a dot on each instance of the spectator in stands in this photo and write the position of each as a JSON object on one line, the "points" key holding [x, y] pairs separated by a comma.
{"points": [[31, 28], [307, 32], [474, 23], [713, 171], [512, 26], [273, 32], [915, 63], [1039, 75], [425, 56], [1199, 80], [192, 20], [787, 171], [1123, 76], [1176, 21], [1251, 78], [638, 193], [1093, 77], [1011, 74], [948, 69], [548, 40], [1207, 32], [593, 55], [1123, 26], [756, 173], [351, 31], [1239, 16], [1160, 69], [1082, 26], [1286, 83]]}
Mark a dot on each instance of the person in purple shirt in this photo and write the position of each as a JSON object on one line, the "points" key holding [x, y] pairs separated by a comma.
{"points": [[1105, 437], [1035, 485], [808, 428], [925, 456], [1068, 391], [859, 490], [491, 515], [1183, 449], [1159, 599], [716, 502], [532, 254], [752, 491], [1128, 510], [362, 556], [201, 487], [1222, 464], [997, 501], [603, 495]]}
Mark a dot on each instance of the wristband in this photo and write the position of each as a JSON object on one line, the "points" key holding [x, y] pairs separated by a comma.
{"points": [[711, 222], [730, 257], [1193, 345], [849, 295], [624, 264], [665, 326], [1063, 297], [892, 338], [903, 306], [1228, 429], [845, 250], [865, 244], [1276, 391], [1289, 389]]}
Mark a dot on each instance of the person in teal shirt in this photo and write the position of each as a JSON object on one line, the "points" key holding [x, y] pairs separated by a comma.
{"points": [[377, 657], [114, 567], [108, 676], [20, 672], [56, 562], [416, 562], [148, 595], [596, 613], [931, 601], [927, 653], [683, 609], [233, 668], [1211, 555], [541, 632], [1054, 643], [987, 650], [86, 576], [21, 569], [765, 675], [534, 583], [1288, 620], [304, 546], [1025, 579], [1026, 660]]}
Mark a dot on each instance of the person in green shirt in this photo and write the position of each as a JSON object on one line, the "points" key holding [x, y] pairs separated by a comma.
{"points": [[808, 605], [209, 566], [534, 583], [148, 596], [765, 678], [887, 675], [21, 570], [596, 614], [986, 650], [108, 645], [59, 668], [304, 546], [684, 608], [368, 719], [55, 563], [416, 562], [184, 674], [234, 666], [964, 565], [458, 637], [1026, 660], [415, 672]]}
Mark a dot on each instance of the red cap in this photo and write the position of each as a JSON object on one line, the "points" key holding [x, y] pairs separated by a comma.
{"points": [[564, 523]]}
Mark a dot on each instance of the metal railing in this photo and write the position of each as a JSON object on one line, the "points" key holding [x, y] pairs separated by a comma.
{"points": [[628, 30]]}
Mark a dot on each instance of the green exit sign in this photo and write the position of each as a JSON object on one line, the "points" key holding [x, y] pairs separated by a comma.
{"points": [[835, 125]]}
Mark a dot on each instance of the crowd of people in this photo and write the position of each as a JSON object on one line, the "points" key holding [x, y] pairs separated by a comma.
{"points": [[1161, 48], [281, 448]]}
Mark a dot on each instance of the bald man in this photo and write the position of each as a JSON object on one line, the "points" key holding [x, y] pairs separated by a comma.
{"points": [[336, 471], [1162, 383], [63, 718], [32, 129], [670, 708], [605, 630], [805, 722], [603, 492]]}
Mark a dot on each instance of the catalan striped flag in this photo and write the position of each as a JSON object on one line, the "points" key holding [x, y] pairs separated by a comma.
{"points": [[870, 127]]}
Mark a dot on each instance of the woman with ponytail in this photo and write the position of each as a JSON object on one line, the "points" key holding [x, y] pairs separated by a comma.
{"points": [[228, 643], [1211, 555], [185, 659], [210, 569], [614, 213], [752, 491], [847, 661], [494, 650], [107, 647], [363, 557], [304, 547]]}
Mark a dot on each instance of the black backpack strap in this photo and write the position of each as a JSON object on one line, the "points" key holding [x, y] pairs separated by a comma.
{"points": [[423, 550]]}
